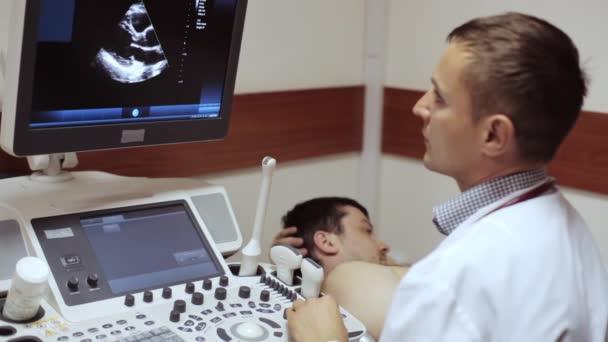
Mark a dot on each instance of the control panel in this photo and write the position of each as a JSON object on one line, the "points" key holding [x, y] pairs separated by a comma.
{"points": [[223, 308], [135, 259]]}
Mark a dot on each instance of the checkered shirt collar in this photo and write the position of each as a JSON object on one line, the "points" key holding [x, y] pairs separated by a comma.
{"points": [[449, 215]]}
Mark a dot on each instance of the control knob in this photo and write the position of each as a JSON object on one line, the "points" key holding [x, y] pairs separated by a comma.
{"points": [[179, 306], [220, 293], [93, 280], [174, 316], [244, 292], [148, 297], [198, 298], [265, 296], [167, 292], [73, 284], [129, 300]]}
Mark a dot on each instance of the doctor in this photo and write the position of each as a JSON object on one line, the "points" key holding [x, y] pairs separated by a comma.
{"points": [[518, 262]]}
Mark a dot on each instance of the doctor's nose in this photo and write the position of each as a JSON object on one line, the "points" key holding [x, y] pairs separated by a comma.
{"points": [[421, 108]]}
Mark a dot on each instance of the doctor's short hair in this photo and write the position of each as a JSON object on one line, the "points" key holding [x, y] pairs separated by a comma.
{"points": [[528, 69], [319, 214]]}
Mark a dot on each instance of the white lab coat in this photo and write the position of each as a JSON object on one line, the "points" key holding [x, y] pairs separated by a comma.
{"points": [[527, 272]]}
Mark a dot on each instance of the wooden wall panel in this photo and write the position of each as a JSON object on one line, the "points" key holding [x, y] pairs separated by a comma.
{"points": [[581, 162], [287, 125], [402, 131], [292, 125]]}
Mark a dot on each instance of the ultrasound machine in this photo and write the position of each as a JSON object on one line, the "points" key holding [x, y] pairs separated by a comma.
{"points": [[129, 258]]}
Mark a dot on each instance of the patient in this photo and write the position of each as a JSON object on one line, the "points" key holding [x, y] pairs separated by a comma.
{"points": [[336, 232]]}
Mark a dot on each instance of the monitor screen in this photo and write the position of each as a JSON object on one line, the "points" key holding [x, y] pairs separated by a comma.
{"points": [[136, 250], [120, 74]]}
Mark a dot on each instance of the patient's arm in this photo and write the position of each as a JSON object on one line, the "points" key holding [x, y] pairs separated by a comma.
{"points": [[365, 290]]}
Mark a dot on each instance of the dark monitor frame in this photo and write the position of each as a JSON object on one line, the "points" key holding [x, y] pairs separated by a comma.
{"points": [[27, 141]]}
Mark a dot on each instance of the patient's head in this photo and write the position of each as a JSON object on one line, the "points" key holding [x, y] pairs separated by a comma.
{"points": [[335, 230]]}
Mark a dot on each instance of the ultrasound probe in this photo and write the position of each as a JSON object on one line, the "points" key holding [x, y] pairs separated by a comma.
{"points": [[253, 250]]}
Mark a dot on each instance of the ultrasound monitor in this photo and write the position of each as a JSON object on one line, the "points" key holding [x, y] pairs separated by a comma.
{"points": [[88, 75]]}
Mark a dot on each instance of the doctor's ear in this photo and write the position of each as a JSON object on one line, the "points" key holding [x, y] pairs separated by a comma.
{"points": [[326, 243], [498, 135]]}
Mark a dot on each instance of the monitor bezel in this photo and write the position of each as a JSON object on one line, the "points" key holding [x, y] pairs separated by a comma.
{"points": [[20, 139]]}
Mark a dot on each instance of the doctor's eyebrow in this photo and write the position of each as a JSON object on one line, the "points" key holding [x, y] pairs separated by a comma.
{"points": [[438, 89]]}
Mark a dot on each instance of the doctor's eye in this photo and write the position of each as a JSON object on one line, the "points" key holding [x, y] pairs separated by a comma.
{"points": [[437, 99]]}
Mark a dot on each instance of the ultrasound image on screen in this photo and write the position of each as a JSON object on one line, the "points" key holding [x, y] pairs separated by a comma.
{"points": [[125, 54], [136, 55]]}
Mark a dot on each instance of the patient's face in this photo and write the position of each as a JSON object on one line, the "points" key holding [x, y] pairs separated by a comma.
{"points": [[359, 242]]}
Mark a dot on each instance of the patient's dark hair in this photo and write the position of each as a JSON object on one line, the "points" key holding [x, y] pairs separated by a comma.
{"points": [[323, 213]]}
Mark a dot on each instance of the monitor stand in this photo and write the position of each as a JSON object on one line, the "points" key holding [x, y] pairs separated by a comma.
{"points": [[50, 168]]}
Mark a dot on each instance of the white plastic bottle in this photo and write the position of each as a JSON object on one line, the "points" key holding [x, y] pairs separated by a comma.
{"points": [[27, 288]]}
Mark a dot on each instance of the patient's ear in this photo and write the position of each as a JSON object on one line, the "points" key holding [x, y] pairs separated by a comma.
{"points": [[326, 243]]}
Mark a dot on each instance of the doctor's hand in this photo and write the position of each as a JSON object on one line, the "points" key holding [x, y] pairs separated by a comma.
{"points": [[316, 320], [286, 237]]}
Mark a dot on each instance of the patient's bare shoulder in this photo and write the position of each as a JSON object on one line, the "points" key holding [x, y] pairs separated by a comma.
{"points": [[354, 270], [365, 290], [363, 275]]}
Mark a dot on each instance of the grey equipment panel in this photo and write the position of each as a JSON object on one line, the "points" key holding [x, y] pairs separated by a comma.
{"points": [[12, 247], [213, 209]]}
